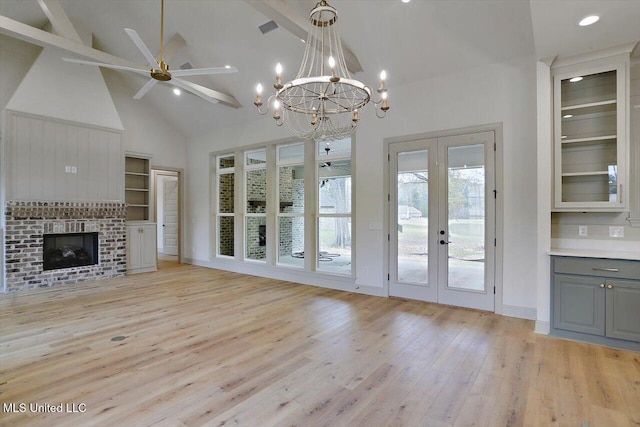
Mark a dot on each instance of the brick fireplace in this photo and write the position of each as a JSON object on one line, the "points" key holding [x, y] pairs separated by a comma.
{"points": [[28, 222]]}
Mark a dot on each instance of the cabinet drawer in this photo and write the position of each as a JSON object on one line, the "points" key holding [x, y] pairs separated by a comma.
{"points": [[621, 269]]}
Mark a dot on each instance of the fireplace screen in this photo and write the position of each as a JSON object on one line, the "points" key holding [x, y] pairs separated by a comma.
{"points": [[69, 250]]}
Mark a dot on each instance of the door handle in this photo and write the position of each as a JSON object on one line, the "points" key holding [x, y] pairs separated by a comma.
{"points": [[609, 286], [442, 242], [602, 285], [613, 270]]}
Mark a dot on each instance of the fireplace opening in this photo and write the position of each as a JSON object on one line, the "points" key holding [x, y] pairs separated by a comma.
{"points": [[69, 250]]}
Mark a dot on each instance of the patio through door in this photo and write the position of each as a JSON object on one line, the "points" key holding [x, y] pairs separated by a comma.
{"points": [[442, 220]]}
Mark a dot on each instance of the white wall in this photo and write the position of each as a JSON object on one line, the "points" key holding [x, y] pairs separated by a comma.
{"points": [[503, 93], [145, 129]]}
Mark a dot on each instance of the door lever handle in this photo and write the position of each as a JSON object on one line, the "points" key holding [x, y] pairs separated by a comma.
{"points": [[442, 242]]}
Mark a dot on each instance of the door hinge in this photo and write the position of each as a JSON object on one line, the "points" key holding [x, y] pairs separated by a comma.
{"points": [[495, 242], [495, 146], [494, 290], [388, 157], [388, 197], [388, 237], [495, 194], [388, 277]]}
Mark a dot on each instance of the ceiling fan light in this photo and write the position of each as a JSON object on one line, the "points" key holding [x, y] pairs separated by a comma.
{"points": [[588, 20]]}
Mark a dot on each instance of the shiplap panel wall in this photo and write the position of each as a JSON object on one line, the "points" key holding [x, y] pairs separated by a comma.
{"points": [[39, 150]]}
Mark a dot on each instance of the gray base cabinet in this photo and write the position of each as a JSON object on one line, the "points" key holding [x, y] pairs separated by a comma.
{"points": [[596, 297]]}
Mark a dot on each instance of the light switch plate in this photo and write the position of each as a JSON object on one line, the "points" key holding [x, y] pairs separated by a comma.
{"points": [[616, 231], [583, 230]]}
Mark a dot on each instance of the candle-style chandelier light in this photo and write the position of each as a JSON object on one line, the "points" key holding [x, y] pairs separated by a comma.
{"points": [[323, 101]]}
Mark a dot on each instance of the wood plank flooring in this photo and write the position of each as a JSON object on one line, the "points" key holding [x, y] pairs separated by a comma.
{"points": [[189, 346]]}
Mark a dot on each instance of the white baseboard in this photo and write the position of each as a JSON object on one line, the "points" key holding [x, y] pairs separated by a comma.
{"points": [[330, 281], [519, 312], [325, 281], [542, 327]]}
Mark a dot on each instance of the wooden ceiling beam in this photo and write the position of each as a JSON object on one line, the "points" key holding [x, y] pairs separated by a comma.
{"points": [[298, 25]]}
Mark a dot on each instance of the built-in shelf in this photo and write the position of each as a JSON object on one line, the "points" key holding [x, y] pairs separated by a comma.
{"points": [[136, 195], [591, 107], [586, 173], [596, 139]]}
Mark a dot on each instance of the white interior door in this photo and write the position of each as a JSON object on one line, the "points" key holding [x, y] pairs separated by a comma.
{"points": [[170, 217], [442, 220]]}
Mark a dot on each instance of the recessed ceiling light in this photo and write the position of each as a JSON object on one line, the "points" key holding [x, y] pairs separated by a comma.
{"points": [[588, 20], [567, 116], [406, 1], [575, 79], [227, 66], [176, 91]]}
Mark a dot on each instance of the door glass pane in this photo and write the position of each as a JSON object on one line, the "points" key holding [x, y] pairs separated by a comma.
{"points": [[341, 146], [225, 235], [291, 241], [225, 193], [226, 161], [291, 153], [334, 187], [291, 189], [334, 245], [256, 191], [413, 217], [256, 238], [466, 214]]}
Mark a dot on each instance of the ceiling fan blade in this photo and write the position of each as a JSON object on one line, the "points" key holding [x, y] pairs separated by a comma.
{"points": [[187, 86], [203, 71], [153, 62], [144, 89], [102, 64]]}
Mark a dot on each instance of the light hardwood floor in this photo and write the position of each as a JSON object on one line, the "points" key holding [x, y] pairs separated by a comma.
{"points": [[206, 347]]}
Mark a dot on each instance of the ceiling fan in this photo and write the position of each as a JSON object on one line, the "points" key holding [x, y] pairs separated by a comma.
{"points": [[159, 68]]}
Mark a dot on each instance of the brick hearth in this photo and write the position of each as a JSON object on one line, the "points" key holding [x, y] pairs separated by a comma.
{"points": [[26, 222]]}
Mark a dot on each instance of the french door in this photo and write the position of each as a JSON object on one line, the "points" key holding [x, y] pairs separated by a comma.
{"points": [[442, 220]]}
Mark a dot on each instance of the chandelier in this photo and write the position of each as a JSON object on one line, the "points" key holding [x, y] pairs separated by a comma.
{"points": [[323, 101]]}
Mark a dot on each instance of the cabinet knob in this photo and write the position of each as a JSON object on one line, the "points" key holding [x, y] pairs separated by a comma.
{"points": [[609, 286], [602, 285]]}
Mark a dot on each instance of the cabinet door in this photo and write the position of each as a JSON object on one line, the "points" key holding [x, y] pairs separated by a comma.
{"points": [[623, 309], [590, 138], [579, 304], [148, 247], [134, 259]]}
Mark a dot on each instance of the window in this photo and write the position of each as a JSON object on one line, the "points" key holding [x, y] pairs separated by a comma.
{"points": [[225, 180], [334, 206], [290, 214], [256, 205]]}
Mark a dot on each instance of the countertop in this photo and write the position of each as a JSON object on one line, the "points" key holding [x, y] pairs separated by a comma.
{"points": [[589, 253]]}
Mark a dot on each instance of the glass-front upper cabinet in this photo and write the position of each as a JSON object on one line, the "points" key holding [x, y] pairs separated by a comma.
{"points": [[590, 138]]}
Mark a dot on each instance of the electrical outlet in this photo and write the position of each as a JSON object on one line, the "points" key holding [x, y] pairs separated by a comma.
{"points": [[67, 169], [616, 231], [583, 230]]}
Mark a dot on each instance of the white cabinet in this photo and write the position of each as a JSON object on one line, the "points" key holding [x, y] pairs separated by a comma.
{"points": [[591, 143], [141, 247]]}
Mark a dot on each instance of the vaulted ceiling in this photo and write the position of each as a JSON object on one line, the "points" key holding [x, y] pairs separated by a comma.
{"points": [[412, 41]]}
